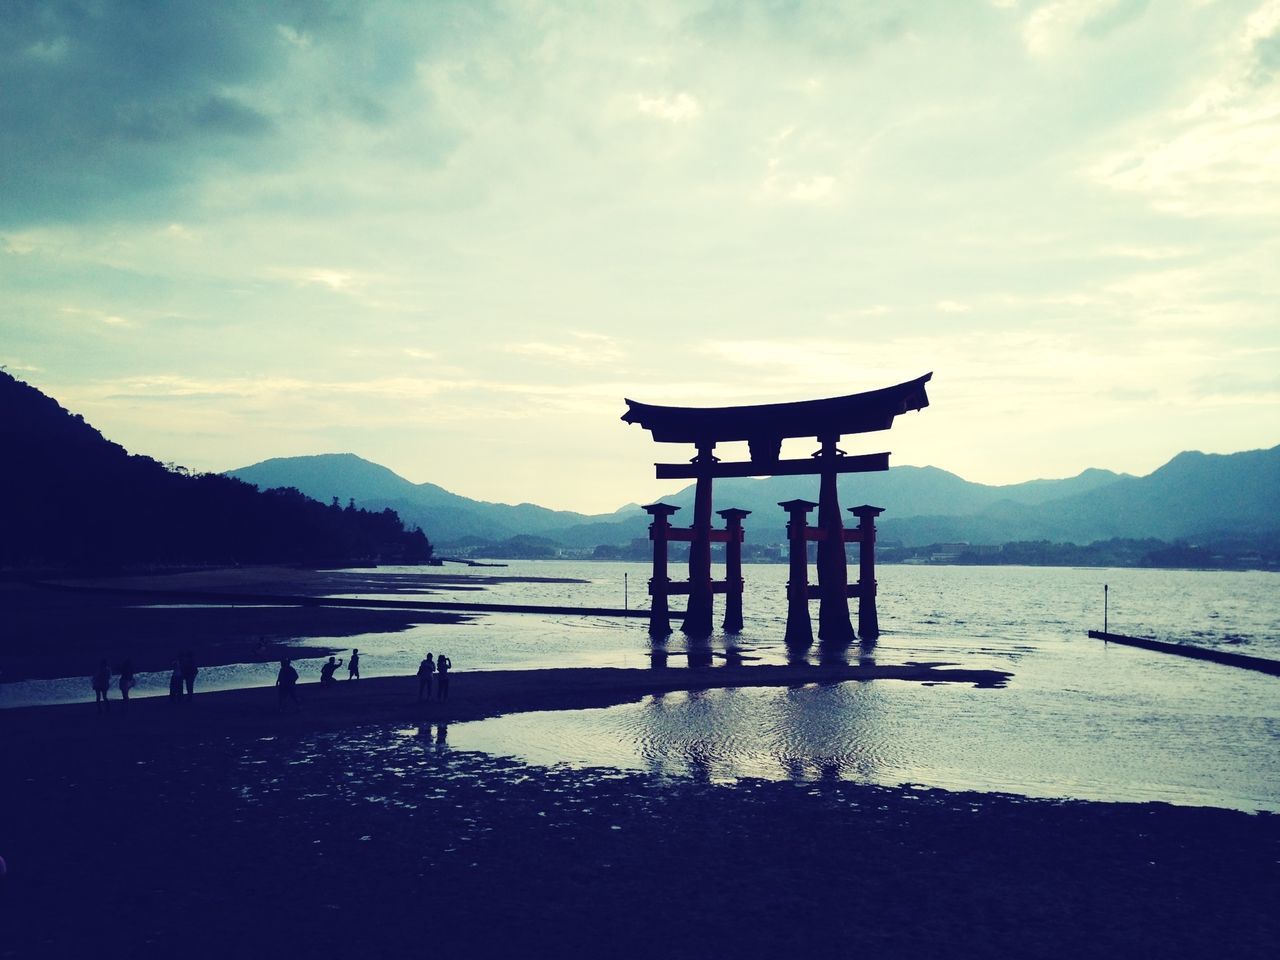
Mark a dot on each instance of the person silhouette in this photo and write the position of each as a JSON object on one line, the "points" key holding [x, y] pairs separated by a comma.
{"points": [[327, 678], [443, 665], [187, 662], [353, 665], [286, 684], [175, 682], [101, 684], [127, 682], [425, 669]]}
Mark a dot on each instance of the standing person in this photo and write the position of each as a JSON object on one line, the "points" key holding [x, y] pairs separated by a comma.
{"points": [[353, 665], [101, 684], [286, 684], [127, 682], [425, 669], [175, 682], [187, 661], [443, 664]]}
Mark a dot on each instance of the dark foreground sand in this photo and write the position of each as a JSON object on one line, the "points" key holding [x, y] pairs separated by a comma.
{"points": [[220, 828]]}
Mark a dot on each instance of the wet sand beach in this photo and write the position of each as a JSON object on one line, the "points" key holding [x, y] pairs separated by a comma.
{"points": [[350, 829]]}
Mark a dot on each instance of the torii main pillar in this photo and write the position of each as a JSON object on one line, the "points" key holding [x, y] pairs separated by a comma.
{"points": [[697, 615], [659, 583], [799, 628], [868, 618], [833, 575], [733, 568]]}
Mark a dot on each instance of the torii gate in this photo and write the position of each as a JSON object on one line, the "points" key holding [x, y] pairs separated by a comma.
{"points": [[764, 427]]}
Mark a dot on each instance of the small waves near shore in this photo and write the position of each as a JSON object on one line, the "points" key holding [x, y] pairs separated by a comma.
{"points": [[894, 733]]}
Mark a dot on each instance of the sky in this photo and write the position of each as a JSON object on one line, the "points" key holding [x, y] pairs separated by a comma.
{"points": [[452, 237]]}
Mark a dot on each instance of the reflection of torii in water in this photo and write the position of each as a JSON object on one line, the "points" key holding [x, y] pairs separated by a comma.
{"points": [[764, 427]]}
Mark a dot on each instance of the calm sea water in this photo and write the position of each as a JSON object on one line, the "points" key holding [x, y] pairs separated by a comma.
{"points": [[1078, 719]]}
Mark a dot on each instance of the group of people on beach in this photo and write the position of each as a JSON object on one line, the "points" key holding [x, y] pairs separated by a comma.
{"points": [[287, 678], [439, 667], [182, 678], [330, 667]]}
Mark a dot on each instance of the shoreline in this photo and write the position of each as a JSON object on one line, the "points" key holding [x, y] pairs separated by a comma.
{"points": [[474, 695]]}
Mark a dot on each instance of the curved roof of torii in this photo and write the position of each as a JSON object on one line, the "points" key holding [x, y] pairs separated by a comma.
{"points": [[833, 416]]}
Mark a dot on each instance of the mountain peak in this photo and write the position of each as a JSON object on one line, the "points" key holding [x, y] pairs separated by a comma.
{"points": [[319, 459], [325, 476]]}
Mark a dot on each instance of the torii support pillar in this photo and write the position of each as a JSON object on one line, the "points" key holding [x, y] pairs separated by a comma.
{"points": [[868, 619], [733, 568], [799, 628], [659, 583], [697, 615], [834, 626]]}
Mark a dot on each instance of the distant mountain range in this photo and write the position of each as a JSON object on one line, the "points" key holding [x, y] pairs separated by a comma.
{"points": [[70, 497], [447, 517], [1193, 495]]}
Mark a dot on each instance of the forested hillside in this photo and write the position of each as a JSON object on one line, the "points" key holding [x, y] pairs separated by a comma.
{"points": [[70, 498]]}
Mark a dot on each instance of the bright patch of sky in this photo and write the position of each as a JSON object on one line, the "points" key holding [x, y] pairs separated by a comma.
{"points": [[451, 237]]}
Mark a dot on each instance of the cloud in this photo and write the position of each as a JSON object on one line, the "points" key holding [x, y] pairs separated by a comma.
{"points": [[1054, 25], [1044, 369], [19, 365], [811, 189], [278, 392], [590, 350], [679, 108], [1218, 153], [293, 36], [339, 281], [119, 109], [335, 222], [179, 232], [100, 316], [1223, 388], [1148, 252], [103, 104]]}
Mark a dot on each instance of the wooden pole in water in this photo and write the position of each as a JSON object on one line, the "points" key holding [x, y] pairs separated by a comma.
{"points": [[625, 604], [1106, 598]]}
